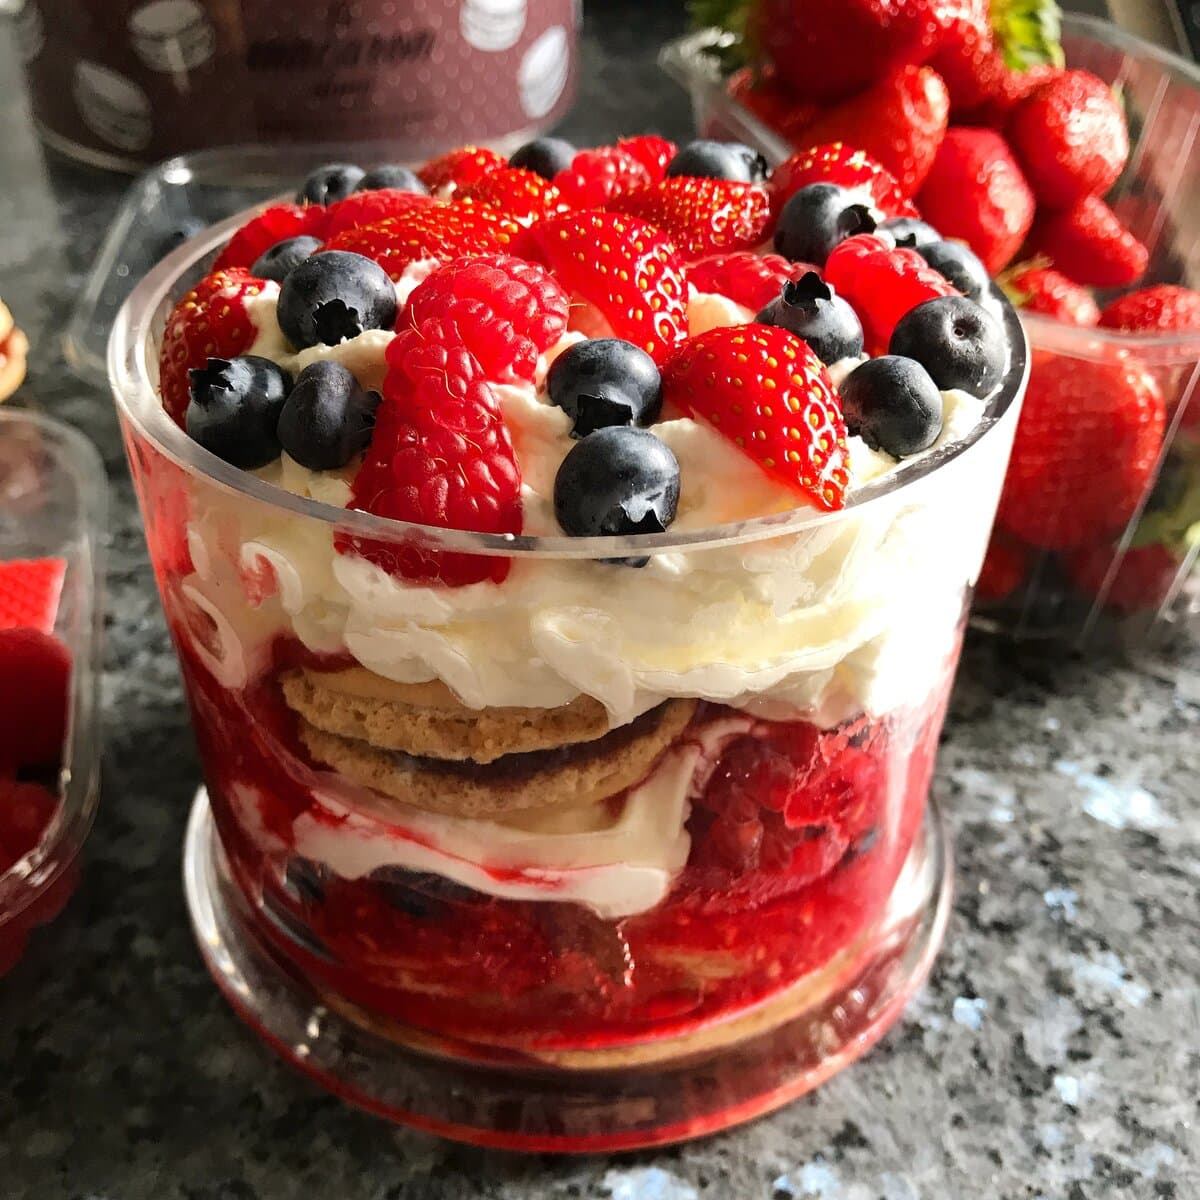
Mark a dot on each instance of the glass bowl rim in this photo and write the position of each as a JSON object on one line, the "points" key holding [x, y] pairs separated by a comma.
{"points": [[683, 59], [141, 410]]}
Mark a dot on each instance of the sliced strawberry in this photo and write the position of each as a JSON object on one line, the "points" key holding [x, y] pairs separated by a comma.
{"points": [[209, 322], [507, 310], [520, 194], [899, 122], [597, 177], [30, 589], [848, 168], [751, 280], [882, 284], [1088, 244], [440, 456], [467, 164], [702, 216], [444, 231], [763, 389], [274, 224], [626, 269], [652, 151], [371, 207], [35, 671]]}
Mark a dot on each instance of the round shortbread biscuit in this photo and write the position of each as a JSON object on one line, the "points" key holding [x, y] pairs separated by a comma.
{"points": [[426, 719], [575, 775]]}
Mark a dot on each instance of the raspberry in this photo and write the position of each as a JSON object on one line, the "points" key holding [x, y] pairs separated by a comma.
{"points": [[440, 455], [371, 207], [748, 279], [209, 322], [442, 231], [459, 167], [597, 177], [35, 671], [882, 284], [652, 151], [274, 224], [522, 195], [29, 592], [507, 311]]}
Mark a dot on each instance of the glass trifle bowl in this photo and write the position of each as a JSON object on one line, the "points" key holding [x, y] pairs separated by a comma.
{"points": [[624, 842]]}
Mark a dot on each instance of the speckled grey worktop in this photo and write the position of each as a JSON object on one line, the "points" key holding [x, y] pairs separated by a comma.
{"points": [[1055, 1052]]}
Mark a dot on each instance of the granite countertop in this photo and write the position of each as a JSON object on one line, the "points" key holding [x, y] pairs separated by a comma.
{"points": [[1054, 1054]]}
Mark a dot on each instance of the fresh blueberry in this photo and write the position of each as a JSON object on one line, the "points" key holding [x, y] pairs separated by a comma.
{"points": [[959, 343], [818, 218], [812, 310], [617, 481], [328, 417], [332, 296], [333, 181], [235, 407], [910, 232], [545, 156], [893, 405], [276, 261], [605, 381], [705, 159], [959, 265], [391, 175]]}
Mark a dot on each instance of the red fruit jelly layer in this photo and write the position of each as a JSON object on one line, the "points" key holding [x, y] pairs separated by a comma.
{"points": [[797, 839]]}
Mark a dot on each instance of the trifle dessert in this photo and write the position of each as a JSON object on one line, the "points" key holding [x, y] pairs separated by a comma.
{"points": [[567, 558]]}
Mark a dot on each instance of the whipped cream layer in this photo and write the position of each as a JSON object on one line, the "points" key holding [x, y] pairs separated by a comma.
{"points": [[853, 615]]}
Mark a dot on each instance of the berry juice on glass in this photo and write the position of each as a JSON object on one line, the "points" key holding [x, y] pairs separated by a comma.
{"points": [[568, 593]]}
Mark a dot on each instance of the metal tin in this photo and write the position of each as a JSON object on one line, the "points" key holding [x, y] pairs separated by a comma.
{"points": [[123, 83]]}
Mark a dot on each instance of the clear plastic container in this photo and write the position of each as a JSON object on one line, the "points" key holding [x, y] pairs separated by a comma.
{"points": [[1142, 584], [52, 505], [660, 862]]}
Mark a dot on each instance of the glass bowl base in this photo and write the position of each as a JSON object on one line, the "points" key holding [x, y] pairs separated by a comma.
{"points": [[835, 1016]]}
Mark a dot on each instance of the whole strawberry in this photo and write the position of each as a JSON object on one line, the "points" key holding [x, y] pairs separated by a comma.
{"points": [[1089, 244], [899, 122], [846, 166], [977, 192], [440, 455], [211, 321], [467, 164], [760, 91], [1136, 580], [1041, 289], [1084, 453], [1164, 308], [763, 389], [702, 216], [1004, 569], [825, 50], [1070, 137]]}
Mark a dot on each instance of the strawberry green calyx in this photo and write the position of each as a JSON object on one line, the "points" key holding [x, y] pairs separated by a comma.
{"points": [[1028, 32], [730, 16], [1172, 516]]}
